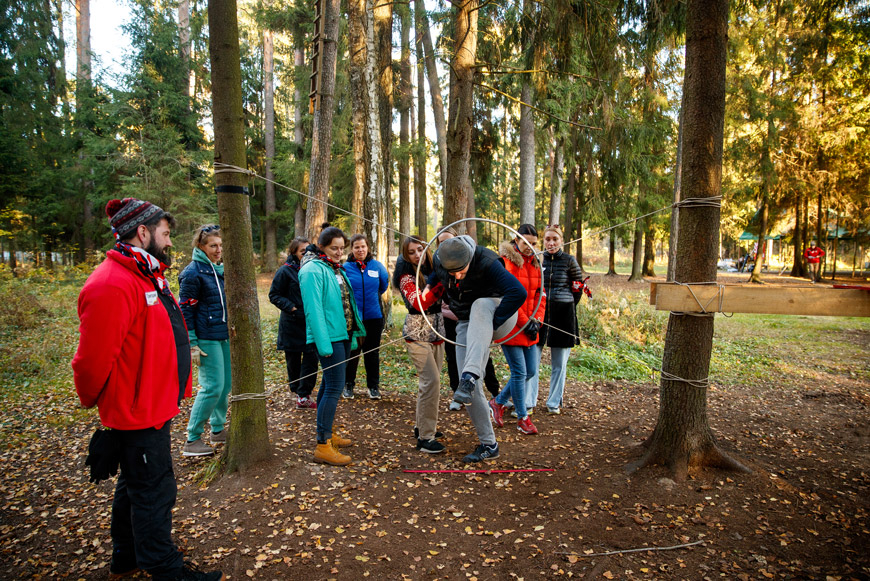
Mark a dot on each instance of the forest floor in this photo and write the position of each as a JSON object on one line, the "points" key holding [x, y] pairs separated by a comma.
{"points": [[791, 402]]}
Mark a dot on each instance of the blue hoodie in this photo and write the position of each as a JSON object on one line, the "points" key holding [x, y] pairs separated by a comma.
{"points": [[369, 280]]}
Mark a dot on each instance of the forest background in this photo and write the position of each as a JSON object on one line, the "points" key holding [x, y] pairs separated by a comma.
{"points": [[576, 121]]}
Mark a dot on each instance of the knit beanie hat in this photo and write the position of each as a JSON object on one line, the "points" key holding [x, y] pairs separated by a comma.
{"points": [[128, 214], [454, 254]]}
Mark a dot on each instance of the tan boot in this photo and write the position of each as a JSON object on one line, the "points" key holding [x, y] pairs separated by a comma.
{"points": [[329, 454], [340, 442]]}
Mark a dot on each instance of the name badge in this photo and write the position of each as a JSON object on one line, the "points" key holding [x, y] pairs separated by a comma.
{"points": [[373, 274], [151, 298], [339, 278]]}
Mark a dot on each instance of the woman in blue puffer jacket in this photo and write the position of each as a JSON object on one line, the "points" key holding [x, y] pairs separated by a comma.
{"points": [[204, 305], [369, 279]]}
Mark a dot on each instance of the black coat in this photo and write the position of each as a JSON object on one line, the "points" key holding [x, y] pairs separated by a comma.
{"points": [[203, 301], [560, 271], [285, 295]]}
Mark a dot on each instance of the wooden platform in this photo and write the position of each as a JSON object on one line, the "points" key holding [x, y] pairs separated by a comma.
{"points": [[767, 299]]}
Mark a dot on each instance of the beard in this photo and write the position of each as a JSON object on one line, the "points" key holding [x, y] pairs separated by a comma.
{"points": [[160, 254]]}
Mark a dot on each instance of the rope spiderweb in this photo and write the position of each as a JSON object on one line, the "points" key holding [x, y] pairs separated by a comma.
{"points": [[685, 203]]}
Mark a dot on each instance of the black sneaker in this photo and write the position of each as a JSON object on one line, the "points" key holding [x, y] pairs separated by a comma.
{"points": [[348, 392], [464, 390], [482, 452], [190, 572], [430, 446], [374, 393], [438, 435]]}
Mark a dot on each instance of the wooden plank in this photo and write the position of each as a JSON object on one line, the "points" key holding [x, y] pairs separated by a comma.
{"points": [[652, 292], [768, 299]]}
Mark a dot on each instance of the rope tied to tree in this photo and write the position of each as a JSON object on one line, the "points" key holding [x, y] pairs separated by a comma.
{"points": [[711, 202], [705, 312], [247, 396]]}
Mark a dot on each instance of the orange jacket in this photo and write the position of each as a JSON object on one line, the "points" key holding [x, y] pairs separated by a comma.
{"points": [[525, 269]]}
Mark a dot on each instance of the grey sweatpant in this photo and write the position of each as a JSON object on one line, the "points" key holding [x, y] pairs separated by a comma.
{"points": [[477, 334]]}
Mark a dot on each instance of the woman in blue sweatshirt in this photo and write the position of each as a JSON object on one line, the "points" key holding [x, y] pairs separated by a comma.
{"points": [[369, 279]]}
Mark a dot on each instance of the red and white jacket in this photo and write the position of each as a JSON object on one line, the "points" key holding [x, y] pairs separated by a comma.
{"points": [[525, 269], [814, 254], [126, 363]]}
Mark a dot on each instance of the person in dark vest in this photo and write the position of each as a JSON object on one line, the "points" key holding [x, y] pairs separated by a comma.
{"points": [[204, 305], [133, 363], [485, 298], [301, 357]]}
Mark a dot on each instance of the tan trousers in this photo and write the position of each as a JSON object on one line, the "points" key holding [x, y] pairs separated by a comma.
{"points": [[427, 358]]}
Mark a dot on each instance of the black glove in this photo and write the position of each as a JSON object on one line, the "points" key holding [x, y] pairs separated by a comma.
{"points": [[104, 455], [532, 329]]}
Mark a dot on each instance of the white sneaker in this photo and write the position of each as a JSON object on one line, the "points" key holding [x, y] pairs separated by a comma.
{"points": [[454, 406]]}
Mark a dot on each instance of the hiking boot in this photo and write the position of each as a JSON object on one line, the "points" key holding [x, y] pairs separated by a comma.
{"points": [[482, 452], [526, 426], [430, 446], [454, 406], [190, 572], [197, 448], [554, 411], [496, 410], [438, 435], [340, 442], [219, 437], [305, 403], [374, 393], [348, 392], [464, 390], [329, 454]]}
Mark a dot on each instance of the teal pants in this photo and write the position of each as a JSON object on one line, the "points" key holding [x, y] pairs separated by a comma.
{"points": [[215, 383]]}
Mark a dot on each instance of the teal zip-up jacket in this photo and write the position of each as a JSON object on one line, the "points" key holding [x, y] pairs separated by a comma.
{"points": [[324, 313]]}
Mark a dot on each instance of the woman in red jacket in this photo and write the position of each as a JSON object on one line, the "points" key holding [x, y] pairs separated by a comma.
{"points": [[520, 352]]}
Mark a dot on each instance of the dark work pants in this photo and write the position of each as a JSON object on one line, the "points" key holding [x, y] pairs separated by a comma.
{"points": [[372, 359], [302, 364], [142, 508], [489, 378]]}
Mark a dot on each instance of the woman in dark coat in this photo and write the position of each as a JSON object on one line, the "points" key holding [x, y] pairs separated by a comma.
{"points": [[301, 358], [563, 283]]}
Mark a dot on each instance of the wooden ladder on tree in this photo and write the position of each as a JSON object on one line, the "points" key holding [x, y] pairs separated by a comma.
{"points": [[316, 59]]}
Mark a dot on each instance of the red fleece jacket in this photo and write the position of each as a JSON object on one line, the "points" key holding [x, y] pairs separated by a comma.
{"points": [[126, 363]]}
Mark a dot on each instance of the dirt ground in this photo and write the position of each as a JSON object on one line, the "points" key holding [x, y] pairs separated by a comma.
{"points": [[801, 514]]}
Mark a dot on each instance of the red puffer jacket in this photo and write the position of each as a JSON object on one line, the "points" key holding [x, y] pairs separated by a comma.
{"points": [[525, 269], [126, 363]]}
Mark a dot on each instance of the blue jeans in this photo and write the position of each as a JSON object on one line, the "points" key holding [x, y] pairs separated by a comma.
{"points": [[330, 388], [523, 363], [558, 373]]}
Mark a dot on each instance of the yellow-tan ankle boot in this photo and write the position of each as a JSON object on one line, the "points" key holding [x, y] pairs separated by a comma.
{"points": [[340, 442], [329, 454]]}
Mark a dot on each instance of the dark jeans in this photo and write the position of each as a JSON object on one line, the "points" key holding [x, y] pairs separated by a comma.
{"points": [[489, 378], [330, 388], [142, 509], [372, 359], [302, 364]]}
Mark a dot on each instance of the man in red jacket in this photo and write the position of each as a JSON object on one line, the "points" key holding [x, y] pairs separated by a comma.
{"points": [[814, 255], [133, 363]]}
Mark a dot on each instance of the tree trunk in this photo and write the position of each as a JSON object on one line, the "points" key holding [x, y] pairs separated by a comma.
{"points": [[649, 250], [471, 227], [420, 149], [298, 137], [248, 441], [678, 181], [682, 437], [762, 243], [434, 91], [270, 258], [184, 41], [383, 14], [83, 88], [527, 157], [797, 267], [321, 143], [465, 14], [836, 247], [556, 184], [611, 255], [637, 254], [404, 122], [581, 208], [570, 202]]}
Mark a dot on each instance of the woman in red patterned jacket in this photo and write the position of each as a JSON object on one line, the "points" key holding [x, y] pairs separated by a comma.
{"points": [[520, 352], [814, 255]]}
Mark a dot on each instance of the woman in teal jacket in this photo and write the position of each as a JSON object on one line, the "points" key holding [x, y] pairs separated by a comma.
{"points": [[333, 325]]}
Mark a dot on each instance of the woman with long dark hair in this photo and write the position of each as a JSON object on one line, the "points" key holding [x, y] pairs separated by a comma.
{"points": [[301, 357], [369, 280], [333, 326], [425, 347]]}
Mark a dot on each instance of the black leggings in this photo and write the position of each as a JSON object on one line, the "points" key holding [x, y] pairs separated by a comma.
{"points": [[372, 358], [302, 364]]}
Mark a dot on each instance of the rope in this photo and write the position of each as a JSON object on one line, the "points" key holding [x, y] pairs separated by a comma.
{"points": [[720, 294], [247, 396], [711, 202]]}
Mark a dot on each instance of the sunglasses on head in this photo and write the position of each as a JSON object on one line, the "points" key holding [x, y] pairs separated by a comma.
{"points": [[210, 228]]}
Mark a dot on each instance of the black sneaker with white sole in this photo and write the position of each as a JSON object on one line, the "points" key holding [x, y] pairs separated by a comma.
{"points": [[481, 453], [430, 446], [438, 435], [464, 390], [374, 393]]}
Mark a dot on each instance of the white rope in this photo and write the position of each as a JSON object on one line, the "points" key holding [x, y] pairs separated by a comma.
{"points": [[705, 312], [247, 396]]}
